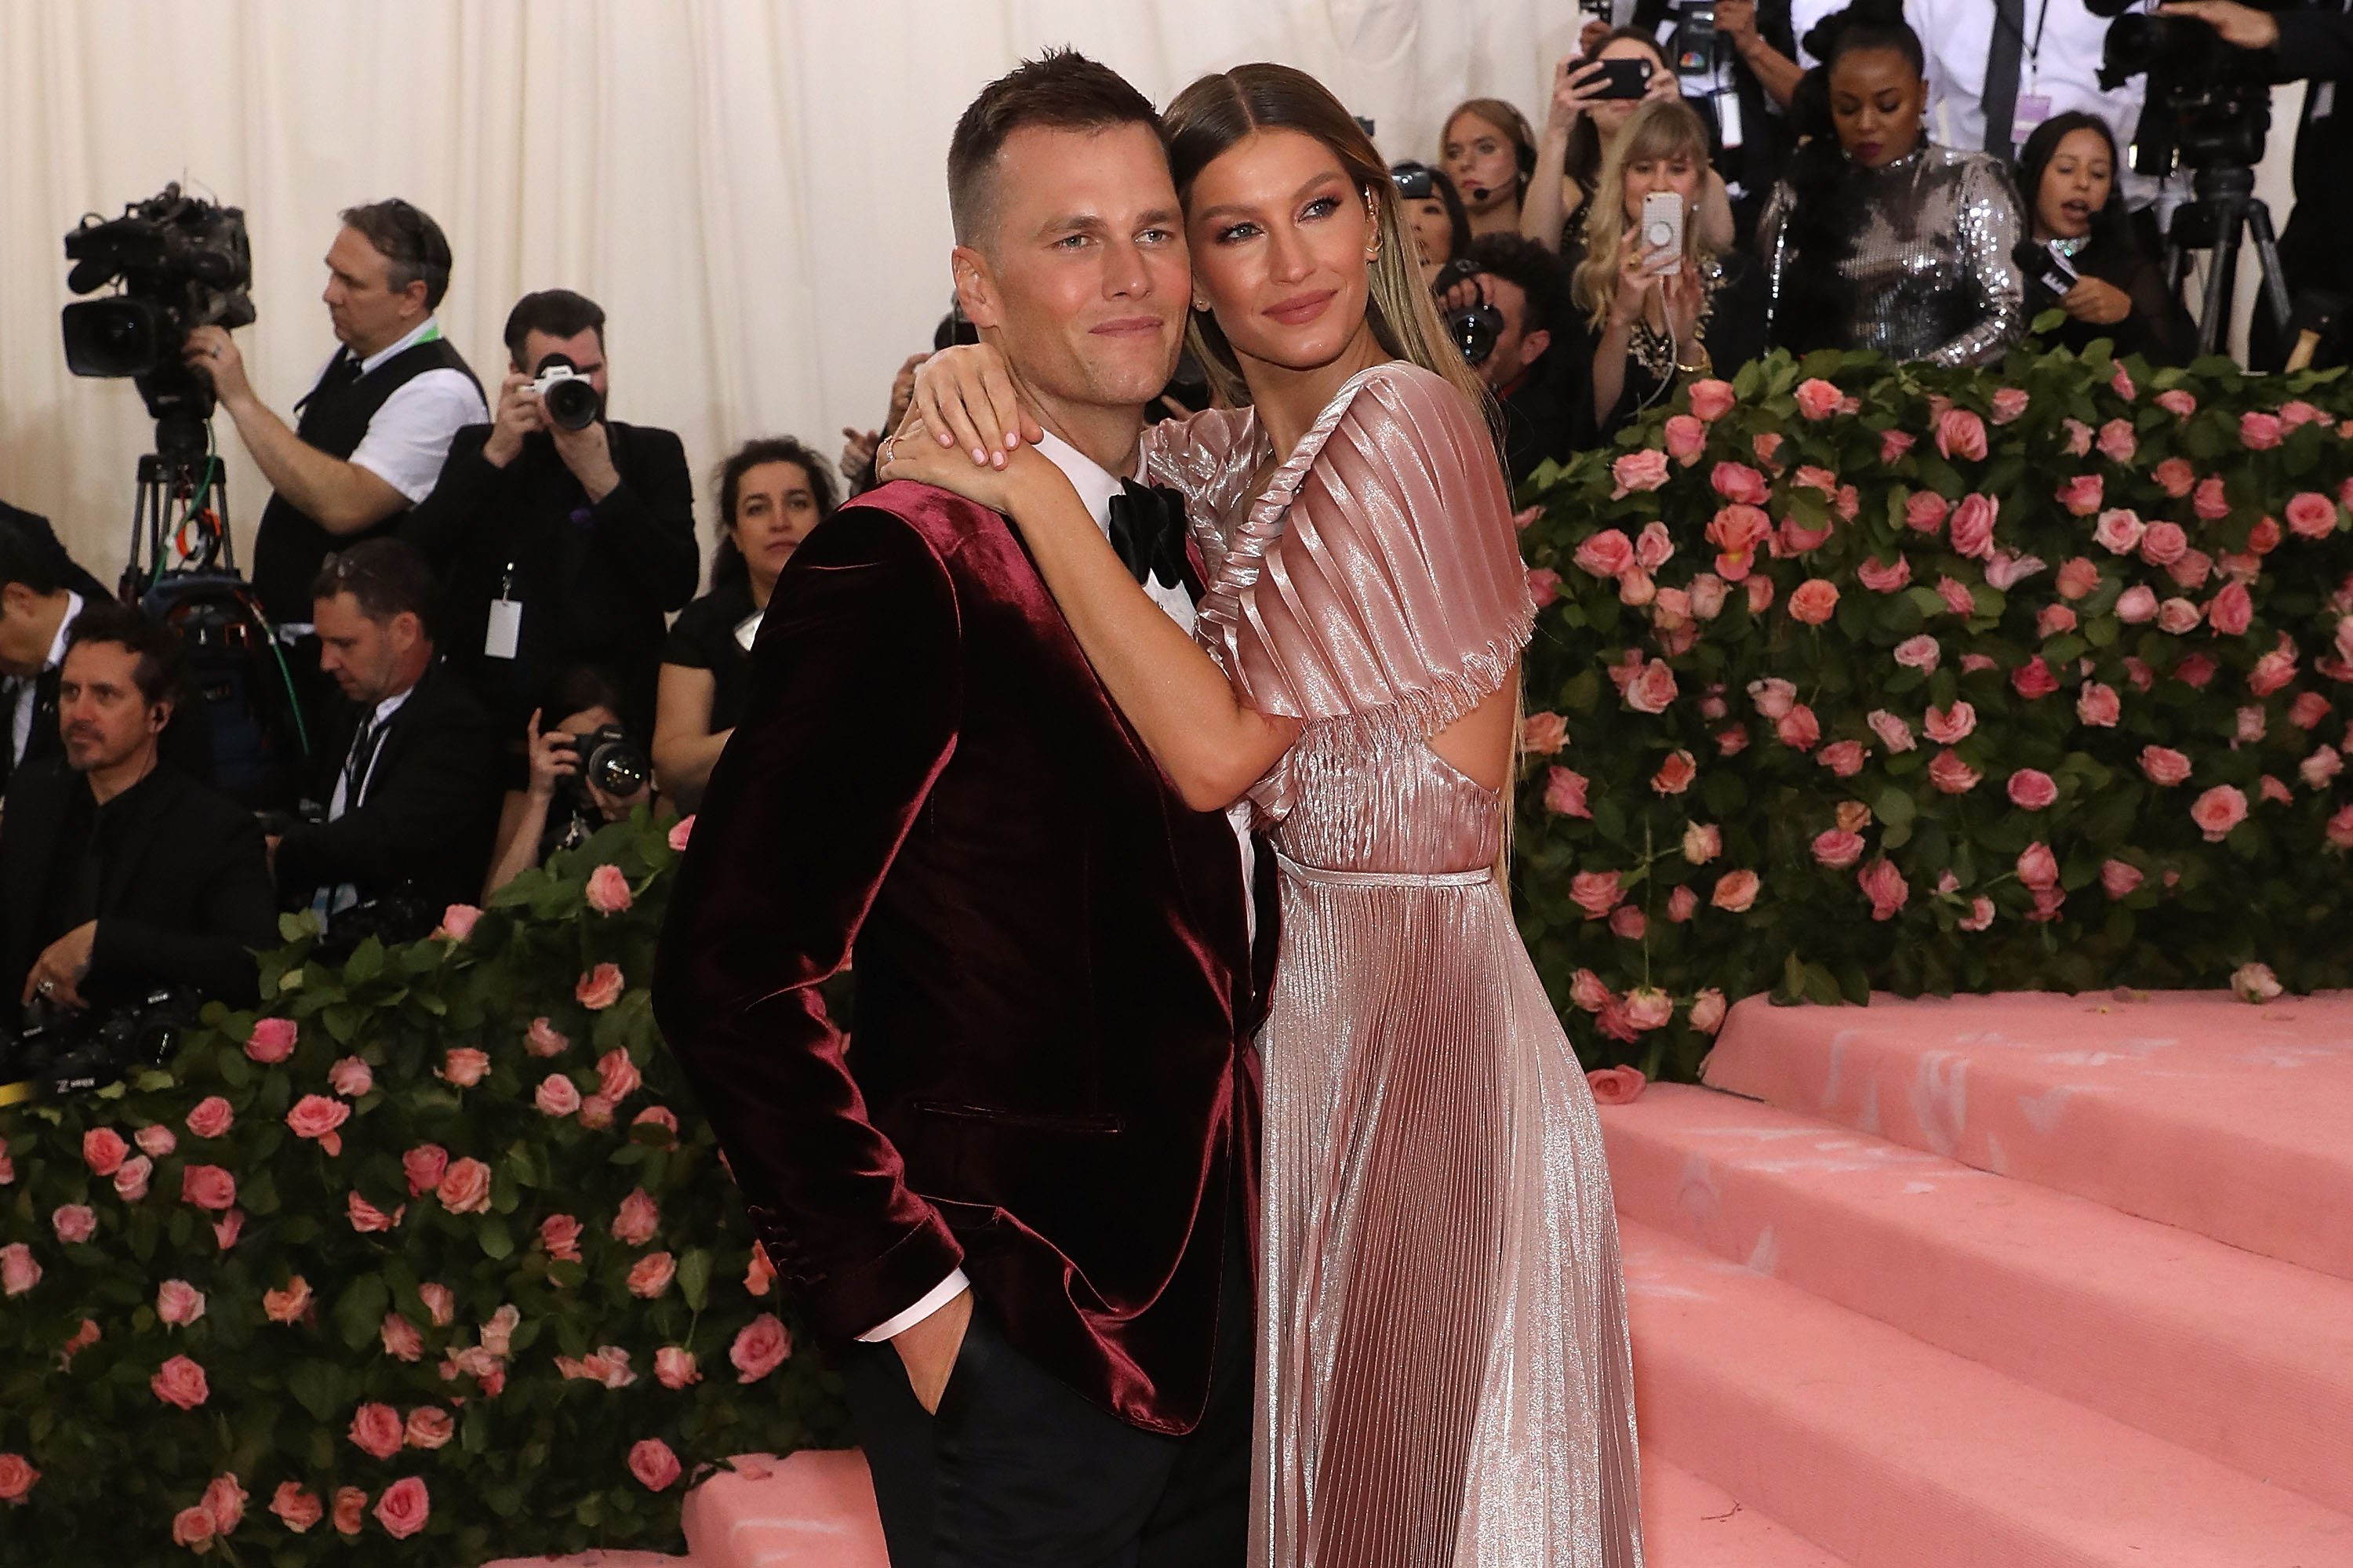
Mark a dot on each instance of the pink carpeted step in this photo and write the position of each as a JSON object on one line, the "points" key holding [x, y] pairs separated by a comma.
{"points": [[810, 1509], [2244, 1358], [1893, 1453], [1691, 1523], [598, 1560], [2190, 1107]]}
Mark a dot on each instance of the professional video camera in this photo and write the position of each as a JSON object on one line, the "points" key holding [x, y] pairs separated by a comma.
{"points": [[1474, 327], [181, 263], [72, 1053]]}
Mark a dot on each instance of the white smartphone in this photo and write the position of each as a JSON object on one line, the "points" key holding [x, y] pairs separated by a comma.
{"points": [[1662, 224]]}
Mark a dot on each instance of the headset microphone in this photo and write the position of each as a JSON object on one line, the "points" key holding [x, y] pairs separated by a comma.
{"points": [[1479, 192]]}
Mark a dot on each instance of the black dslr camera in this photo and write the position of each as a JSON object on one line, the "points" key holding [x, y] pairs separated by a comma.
{"points": [[73, 1052], [181, 263], [1474, 327], [611, 761]]}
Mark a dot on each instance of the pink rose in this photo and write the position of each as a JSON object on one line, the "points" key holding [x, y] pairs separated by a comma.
{"points": [[2005, 571], [1675, 774], [1817, 399], [1961, 434], [1711, 399], [179, 1383], [457, 922], [2177, 617], [1686, 439], [1587, 992], [498, 1334], [2258, 432], [131, 1181], [2274, 671], [658, 1116], [2081, 494], [674, 1368], [2231, 611], [1885, 888], [1735, 891], [2097, 706], [2255, 983], [2297, 414], [2218, 810], [211, 1118], [155, 1140], [272, 1039], [1565, 793], [2164, 766], [1947, 727], [1651, 689], [1814, 601], [2137, 605], [2118, 879], [74, 1223], [2117, 441], [2177, 403], [1655, 546], [1543, 734], [1681, 905], [2308, 709], [2055, 621], [1707, 594], [1595, 892], [208, 1186], [1880, 578], [2213, 504], [316, 1116], [760, 1347], [227, 1228], [1838, 849], [296, 1509], [1951, 774], [2119, 530], [1892, 732], [597, 1112], [1637, 588], [2008, 404], [2319, 769], [349, 1503], [428, 1426], [1979, 917], [401, 1341], [2192, 569], [2311, 515], [2038, 868], [544, 1039], [651, 1274], [225, 1500], [2032, 789], [683, 831], [422, 1165], [654, 1464], [403, 1507], [557, 1096], [1544, 587], [2174, 476], [1707, 1010], [2163, 544], [1773, 696], [638, 1220], [18, 1271], [465, 1188], [618, 1076], [600, 988], [1921, 652], [559, 1235], [608, 891], [16, 1478], [1737, 531], [1740, 484], [2121, 383], [1703, 841], [2079, 437], [1641, 471], [351, 1077], [1799, 729], [286, 1306], [1628, 923], [378, 1429], [1842, 758], [2033, 679], [103, 1150], [1924, 511], [1957, 596], [178, 1303], [193, 1527], [463, 1067]]}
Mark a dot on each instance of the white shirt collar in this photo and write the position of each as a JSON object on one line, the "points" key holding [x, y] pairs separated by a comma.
{"points": [[430, 327], [389, 706], [1095, 484], [58, 643]]}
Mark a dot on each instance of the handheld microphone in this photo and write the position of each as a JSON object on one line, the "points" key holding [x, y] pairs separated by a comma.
{"points": [[2043, 265]]}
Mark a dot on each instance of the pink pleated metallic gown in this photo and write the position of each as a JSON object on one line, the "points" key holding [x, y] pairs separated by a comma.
{"points": [[1443, 1372]]}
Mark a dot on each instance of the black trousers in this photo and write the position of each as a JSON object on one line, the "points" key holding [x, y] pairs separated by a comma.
{"points": [[1019, 1471]]}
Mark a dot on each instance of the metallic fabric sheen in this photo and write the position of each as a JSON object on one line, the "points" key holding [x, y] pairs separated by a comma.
{"points": [[1444, 1375], [1931, 268]]}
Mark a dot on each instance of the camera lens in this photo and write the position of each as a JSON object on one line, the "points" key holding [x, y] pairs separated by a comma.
{"points": [[572, 403], [1474, 331]]}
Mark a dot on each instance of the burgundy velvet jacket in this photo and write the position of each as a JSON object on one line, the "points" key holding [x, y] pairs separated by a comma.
{"points": [[1052, 1083]]}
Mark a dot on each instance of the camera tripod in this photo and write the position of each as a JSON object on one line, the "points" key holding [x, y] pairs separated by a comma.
{"points": [[2223, 208]]}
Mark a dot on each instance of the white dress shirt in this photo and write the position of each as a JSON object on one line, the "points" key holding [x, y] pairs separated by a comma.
{"points": [[1096, 487], [21, 687], [328, 902], [409, 438]]}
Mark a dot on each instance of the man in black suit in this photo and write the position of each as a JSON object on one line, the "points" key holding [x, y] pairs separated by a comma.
{"points": [[559, 546], [117, 871], [408, 791], [41, 591]]}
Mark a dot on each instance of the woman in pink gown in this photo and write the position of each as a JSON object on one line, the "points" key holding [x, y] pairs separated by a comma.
{"points": [[1443, 1373]]}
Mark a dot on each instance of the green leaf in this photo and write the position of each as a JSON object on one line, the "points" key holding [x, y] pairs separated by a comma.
{"points": [[496, 1241], [365, 963], [320, 1387], [359, 1311], [695, 1278], [1895, 807]]}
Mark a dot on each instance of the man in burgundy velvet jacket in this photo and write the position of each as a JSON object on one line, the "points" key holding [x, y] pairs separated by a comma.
{"points": [[1031, 1173]]}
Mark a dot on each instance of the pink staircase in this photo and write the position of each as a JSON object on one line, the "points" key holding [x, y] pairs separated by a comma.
{"points": [[2008, 1280]]}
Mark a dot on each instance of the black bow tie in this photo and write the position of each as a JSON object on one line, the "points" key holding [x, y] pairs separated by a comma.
{"points": [[1147, 529]]}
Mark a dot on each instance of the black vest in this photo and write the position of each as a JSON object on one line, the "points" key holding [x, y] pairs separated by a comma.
{"points": [[288, 547]]}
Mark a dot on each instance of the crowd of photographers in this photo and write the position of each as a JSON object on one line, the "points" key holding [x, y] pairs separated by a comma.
{"points": [[479, 607]]}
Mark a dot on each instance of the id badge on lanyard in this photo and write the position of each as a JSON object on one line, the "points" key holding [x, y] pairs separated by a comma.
{"points": [[505, 636]]}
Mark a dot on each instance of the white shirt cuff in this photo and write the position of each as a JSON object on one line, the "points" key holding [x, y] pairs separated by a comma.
{"points": [[939, 1295]]}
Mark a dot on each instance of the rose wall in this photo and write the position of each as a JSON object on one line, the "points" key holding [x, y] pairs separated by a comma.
{"points": [[432, 1260], [1858, 677]]}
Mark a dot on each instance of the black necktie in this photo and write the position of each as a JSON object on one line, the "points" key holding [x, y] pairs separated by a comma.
{"points": [[2002, 61], [360, 761], [1147, 529]]}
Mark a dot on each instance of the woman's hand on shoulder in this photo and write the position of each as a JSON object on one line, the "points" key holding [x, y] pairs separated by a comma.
{"points": [[965, 400], [1014, 480]]}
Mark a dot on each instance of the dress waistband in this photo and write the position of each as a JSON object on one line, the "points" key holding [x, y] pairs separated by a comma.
{"points": [[1327, 877]]}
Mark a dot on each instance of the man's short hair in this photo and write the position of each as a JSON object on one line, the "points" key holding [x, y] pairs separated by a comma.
{"points": [[1061, 89], [412, 245], [556, 312], [1518, 259], [161, 660], [28, 560], [387, 577]]}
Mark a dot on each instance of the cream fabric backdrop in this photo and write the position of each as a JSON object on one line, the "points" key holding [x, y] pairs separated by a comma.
{"points": [[752, 191]]}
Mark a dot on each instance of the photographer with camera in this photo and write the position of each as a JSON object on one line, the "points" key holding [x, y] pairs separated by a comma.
{"points": [[400, 816], [372, 431], [118, 872], [1735, 62], [585, 771], [1500, 303], [561, 536]]}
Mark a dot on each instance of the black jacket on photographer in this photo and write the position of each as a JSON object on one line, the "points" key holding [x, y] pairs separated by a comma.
{"points": [[175, 874], [1751, 169], [594, 581], [420, 808]]}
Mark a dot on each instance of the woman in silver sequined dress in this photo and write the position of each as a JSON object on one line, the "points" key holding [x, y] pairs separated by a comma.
{"points": [[1877, 238], [1445, 1376]]}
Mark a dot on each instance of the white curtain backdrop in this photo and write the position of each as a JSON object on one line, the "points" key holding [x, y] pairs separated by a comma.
{"points": [[752, 190]]}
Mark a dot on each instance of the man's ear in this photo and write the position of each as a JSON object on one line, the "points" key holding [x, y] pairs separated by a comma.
{"points": [[976, 286], [407, 630], [1534, 344], [159, 714], [16, 598]]}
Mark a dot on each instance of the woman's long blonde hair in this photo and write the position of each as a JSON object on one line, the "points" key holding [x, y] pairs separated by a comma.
{"points": [[1657, 130], [1218, 111]]}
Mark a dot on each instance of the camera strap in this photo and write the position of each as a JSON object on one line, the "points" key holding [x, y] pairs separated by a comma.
{"points": [[503, 636]]}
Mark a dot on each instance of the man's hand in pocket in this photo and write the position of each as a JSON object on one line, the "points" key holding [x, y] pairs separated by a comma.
{"points": [[930, 1349]]}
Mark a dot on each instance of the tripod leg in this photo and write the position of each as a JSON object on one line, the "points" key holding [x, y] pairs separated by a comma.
{"points": [[2267, 257], [2221, 269]]}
